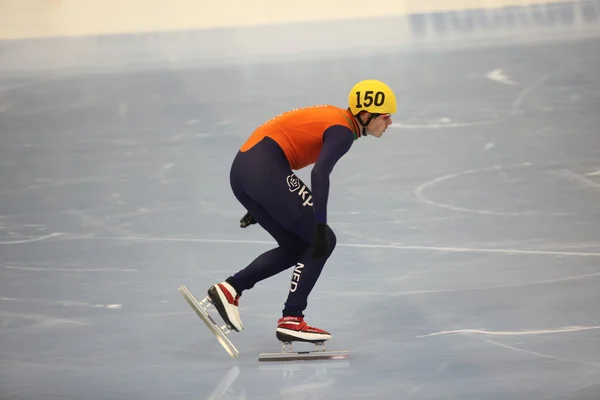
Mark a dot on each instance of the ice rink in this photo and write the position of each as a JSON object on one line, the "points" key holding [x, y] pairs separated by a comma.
{"points": [[468, 261]]}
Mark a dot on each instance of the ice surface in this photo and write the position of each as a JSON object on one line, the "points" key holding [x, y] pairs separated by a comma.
{"points": [[468, 258]]}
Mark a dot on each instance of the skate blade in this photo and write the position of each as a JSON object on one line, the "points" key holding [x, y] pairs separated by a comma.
{"points": [[210, 323], [319, 353], [305, 355]]}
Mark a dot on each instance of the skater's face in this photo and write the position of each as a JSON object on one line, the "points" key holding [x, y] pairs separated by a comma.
{"points": [[378, 125]]}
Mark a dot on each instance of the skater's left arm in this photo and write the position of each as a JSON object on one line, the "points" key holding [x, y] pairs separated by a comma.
{"points": [[337, 140]]}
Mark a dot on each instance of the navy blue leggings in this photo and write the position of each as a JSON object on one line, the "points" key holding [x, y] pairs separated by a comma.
{"points": [[262, 181]]}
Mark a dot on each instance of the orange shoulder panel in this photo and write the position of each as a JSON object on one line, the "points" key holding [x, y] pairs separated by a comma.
{"points": [[299, 132]]}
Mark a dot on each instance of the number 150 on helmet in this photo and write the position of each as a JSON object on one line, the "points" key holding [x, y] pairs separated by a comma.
{"points": [[372, 96]]}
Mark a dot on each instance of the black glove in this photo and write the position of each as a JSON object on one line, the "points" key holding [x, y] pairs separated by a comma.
{"points": [[321, 241], [247, 220]]}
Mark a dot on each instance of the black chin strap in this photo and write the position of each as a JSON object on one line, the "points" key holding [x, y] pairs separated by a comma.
{"points": [[364, 124], [364, 132]]}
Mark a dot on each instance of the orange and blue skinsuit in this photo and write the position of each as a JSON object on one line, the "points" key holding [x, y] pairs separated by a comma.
{"points": [[263, 181]]}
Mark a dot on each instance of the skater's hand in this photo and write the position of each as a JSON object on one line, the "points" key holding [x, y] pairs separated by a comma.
{"points": [[321, 241], [247, 220]]}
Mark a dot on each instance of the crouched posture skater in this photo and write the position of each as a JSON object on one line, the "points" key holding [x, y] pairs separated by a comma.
{"points": [[262, 180]]}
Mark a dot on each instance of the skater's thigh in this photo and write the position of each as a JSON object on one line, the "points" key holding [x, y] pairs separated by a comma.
{"points": [[263, 175], [284, 238], [289, 202]]}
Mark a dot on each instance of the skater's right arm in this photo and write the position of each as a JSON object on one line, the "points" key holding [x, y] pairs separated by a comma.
{"points": [[337, 140]]}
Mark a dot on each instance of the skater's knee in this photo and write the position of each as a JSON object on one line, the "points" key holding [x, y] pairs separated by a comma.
{"points": [[332, 239]]}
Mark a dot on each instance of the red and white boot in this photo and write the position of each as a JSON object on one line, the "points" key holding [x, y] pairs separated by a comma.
{"points": [[295, 329], [226, 301]]}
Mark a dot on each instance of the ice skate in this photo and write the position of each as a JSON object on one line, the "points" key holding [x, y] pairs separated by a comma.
{"points": [[225, 299], [201, 308], [295, 329]]}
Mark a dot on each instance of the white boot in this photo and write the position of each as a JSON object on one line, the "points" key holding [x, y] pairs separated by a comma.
{"points": [[225, 299]]}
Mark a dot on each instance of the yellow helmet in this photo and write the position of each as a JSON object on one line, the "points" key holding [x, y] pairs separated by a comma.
{"points": [[372, 96]]}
